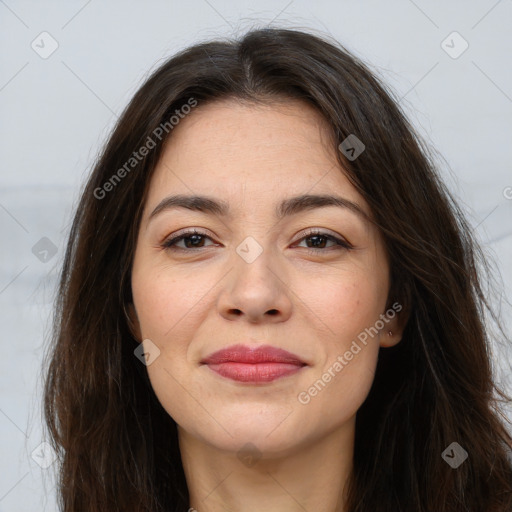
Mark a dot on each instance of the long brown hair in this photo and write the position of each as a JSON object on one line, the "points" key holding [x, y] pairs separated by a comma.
{"points": [[118, 447]]}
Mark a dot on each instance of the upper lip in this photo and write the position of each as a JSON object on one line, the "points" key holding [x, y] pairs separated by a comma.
{"points": [[245, 354]]}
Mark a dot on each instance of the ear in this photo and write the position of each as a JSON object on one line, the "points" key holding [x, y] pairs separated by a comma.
{"points": [[396, 317], [133, 322]]}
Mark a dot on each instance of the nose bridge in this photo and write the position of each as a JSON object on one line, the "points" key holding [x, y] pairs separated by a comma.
{"points": [[254, 262], [255, 285]]}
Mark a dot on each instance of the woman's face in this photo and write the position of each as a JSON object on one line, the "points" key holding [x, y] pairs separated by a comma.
{"points": [[256, 276]]}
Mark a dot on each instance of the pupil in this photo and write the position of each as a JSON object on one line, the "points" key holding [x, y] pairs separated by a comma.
{"points": [[194, 239], [317, 238]]}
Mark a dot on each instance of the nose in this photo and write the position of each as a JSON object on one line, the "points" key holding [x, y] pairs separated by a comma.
{"points": [[256, 292]]}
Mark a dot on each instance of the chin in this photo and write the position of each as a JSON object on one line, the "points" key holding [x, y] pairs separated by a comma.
{"points": [[271, 432], [256, 443]]}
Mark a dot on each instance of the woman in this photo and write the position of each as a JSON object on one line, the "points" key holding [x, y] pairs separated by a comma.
{"points": [[269, 301]]}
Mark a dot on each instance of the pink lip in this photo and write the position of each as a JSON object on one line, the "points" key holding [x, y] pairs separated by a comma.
{"points": [[262, 364]]}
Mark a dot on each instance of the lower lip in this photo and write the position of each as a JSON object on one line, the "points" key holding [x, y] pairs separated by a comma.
{"points": [[259, 372]]}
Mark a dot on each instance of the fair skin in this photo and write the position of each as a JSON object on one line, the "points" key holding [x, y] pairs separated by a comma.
{"points": [[203, 296]]}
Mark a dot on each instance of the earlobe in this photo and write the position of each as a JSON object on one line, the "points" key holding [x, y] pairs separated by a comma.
{"points": [[389, 338], [133, 322], [392, 333]]}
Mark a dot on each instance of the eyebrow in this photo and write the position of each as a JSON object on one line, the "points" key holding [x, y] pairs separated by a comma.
{"points": [[287, 207]]}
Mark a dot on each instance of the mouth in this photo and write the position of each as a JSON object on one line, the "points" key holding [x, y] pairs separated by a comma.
{"points": [[262, 364]]}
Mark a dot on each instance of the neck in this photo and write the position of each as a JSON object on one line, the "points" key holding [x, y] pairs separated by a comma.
{"points": [[309, 477]]}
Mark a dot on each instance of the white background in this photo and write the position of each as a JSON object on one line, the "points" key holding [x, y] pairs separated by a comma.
{"points": [[56, 113]]}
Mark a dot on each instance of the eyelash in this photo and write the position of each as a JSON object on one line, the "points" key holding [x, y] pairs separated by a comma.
{"points": [[170, 244]]}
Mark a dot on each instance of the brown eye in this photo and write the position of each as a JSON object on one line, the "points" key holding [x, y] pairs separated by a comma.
{"points": [[192, 240], [319, 240]]}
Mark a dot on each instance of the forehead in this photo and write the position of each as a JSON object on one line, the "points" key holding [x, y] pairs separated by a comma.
{"points": [[246, 152]]}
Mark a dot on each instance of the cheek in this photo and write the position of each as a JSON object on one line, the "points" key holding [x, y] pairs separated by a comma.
{"points": [[164, 303], [349, 308], [169, 311], [339, 386], [344, 304], [335, 396]]}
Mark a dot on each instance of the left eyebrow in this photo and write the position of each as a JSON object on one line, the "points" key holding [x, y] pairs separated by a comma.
{"points": [[306, 202], [287, 207]]}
